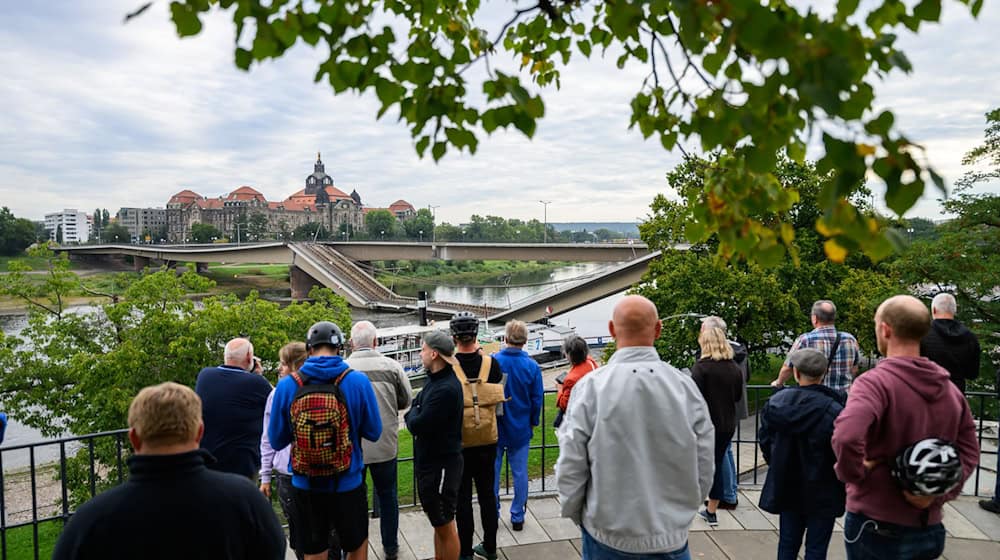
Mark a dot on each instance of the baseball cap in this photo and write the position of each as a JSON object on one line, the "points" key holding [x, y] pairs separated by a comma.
{"points": [[441, 342], [809, 361]]}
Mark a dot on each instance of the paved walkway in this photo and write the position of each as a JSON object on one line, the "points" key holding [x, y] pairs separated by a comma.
{"points": [[745, 534]]}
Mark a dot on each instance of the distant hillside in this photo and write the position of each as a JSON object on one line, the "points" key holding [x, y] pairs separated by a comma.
{"points": [[626, 228]]}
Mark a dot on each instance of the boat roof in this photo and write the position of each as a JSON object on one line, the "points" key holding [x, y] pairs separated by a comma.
{"points": [[404, 330]]}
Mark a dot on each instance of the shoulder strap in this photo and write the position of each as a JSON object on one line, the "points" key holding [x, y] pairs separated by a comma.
{"points": [[833, 351], [300, 378], [484, 368], [460, 373], [342, 375], [593, 365]]}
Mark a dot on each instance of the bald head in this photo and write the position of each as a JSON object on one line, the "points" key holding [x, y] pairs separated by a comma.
{"points": [[634, 322], [239, 353], [900, 323]]}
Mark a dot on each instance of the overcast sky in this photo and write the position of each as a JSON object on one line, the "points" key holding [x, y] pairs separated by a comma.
{"points": [[100, 114]]}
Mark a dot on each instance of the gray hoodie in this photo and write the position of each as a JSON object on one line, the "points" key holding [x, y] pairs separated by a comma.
{"points": [[636, 453]]}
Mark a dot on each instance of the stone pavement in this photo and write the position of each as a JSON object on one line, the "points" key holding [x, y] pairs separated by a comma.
{"points": [[746, 533]]}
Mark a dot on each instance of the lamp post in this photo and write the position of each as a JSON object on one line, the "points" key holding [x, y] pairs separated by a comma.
{"points": [[382, 235], [434, 224], [545, 226], [421, 236]]}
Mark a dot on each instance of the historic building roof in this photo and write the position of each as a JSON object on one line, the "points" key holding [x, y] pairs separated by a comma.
{"points": [[400, 206], [246, 193], [186, 196]]}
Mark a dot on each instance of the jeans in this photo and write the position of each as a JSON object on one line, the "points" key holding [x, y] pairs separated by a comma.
{"points": [[867, 539], [384, 481], [517, 460], [593, 550], [817, 530], [478, 471], [729, 480], [722, 443]]}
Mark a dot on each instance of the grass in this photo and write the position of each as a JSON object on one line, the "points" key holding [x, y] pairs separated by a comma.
{"points": [[21, 541]]}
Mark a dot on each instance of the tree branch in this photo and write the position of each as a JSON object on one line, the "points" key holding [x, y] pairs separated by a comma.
{"points": [[503, 30], [687, 55]]}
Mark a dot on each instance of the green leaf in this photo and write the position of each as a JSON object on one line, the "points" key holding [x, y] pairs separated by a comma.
{"points": [[243, 58], [880, 125], [899, 60], [438, 150], [928, 10], [584, 46], [846, 8], [976, 6], [938, 181], [185, 19], [713, 62], [422, 145], [901, 197]]}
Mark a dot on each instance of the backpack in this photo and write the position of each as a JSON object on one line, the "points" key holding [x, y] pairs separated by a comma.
{"points": [[321, 446], [479, 417]]}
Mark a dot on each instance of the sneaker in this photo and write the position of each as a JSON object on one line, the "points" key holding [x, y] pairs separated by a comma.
{"points": [[711, 518], [992, 506], [480, 550], [728, 505], [517, 525], [469, 557]]}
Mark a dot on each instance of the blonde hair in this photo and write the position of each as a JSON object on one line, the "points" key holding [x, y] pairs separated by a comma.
{"points": [[165, 414], [293, 355], [714, 345], [516, 332]]}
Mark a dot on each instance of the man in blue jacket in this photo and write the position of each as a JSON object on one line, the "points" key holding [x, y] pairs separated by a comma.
{"points": [[524, 392], [339, 503], [796, 426]]}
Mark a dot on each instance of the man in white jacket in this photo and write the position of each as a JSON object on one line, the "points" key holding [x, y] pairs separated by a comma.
{"points": [[634, 479]]}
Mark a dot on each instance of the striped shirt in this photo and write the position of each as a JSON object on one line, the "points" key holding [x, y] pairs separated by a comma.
{"points": [[848, 356]]}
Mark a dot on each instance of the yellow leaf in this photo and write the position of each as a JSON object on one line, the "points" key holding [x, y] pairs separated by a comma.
{"points": [[787, 233], [834, 251], [453, 26], [825, 230], [525, 59], [865, 150], [475, 45], [536, 66]]}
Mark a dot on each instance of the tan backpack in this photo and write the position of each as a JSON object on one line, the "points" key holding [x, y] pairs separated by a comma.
{"points": [[479, 419]]}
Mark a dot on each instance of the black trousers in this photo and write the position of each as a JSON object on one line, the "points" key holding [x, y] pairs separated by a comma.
{"points": [[480, 463]]}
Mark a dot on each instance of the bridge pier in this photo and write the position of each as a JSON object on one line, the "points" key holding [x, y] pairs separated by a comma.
{"points": [[140, 263], [301, 282]]}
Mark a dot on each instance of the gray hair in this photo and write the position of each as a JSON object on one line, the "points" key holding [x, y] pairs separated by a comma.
{"points": [[825, 311], [575, 349], [516, 332], [713, 322], [944, 303], [237, 351], [363, 333]]}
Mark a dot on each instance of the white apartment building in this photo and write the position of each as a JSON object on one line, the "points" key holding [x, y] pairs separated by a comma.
{"points": [[74, 225]]}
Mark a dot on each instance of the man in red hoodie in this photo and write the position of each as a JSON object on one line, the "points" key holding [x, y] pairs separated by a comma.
{"points": [[904, 399]]}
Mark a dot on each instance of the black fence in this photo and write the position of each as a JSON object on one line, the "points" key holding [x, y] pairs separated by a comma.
{"points": [[37, 498]]}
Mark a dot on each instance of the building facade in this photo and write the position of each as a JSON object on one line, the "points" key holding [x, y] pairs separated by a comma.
{"points": [[141, 222], [71, 225], [246, 215]]}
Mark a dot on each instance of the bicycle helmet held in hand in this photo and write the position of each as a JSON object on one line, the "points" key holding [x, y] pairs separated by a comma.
{"points": [[929, 467], [464, 323], [324, 332]]}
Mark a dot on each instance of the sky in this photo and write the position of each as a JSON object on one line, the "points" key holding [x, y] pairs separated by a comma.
{"points": [[101, 114]]}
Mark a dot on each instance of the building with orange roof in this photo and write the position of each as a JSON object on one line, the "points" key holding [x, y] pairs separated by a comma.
{"points": [[237, 212]]}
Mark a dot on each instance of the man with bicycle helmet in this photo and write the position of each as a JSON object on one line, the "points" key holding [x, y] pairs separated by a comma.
{"points": [[904, 443]]}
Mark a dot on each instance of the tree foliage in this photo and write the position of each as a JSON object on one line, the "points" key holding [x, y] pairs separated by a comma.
{"points": [[380, 224], [765, 307], [204, 233], [422, 222], [116, 233], [749, 79], [79, 370], [15, 233], [310, 231]]}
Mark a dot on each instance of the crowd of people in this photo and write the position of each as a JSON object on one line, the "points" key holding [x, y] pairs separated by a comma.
{"points": [[645, 447]]}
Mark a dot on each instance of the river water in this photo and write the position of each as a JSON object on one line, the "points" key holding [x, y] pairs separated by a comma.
{"points": [[500, 291]]}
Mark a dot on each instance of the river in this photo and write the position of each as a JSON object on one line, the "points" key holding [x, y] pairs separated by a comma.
{"points": [[590, 320]]}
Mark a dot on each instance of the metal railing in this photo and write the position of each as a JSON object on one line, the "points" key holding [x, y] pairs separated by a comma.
{"points": [[85, 464]]}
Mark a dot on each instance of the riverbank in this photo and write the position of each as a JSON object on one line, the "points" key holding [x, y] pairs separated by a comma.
{"points": [[471, 273]]}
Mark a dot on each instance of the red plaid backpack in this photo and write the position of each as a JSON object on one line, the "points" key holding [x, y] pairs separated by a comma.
{"points": [[321, 425]]}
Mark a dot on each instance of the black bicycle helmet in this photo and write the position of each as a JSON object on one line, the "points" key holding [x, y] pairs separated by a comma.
{"points": [[324, 332], [464, 323], [929, 467]]}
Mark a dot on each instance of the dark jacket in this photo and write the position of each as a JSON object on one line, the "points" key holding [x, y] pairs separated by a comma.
{"points": [[796, 425], [721, 383], [232, 407], [435, 419], [952, 346], [742, 359], [173, 507]]}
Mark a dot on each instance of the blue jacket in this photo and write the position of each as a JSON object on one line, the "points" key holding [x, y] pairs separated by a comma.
{"points": [[796, 427], [525, 391], [362, 409], [3, 425]]}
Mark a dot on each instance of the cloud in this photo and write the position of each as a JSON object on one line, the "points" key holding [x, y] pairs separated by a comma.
{"points": [[102, 114]]}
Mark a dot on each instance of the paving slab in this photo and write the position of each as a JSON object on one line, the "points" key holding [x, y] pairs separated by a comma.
{"points": [[746, 544], [988, 523], [957, 525], [578, 545], [531, 533], [561, 550], [418, 533], [704, 548], [545, 508], [726, 521], [753, 497], [559, 529], [967, 549], [752, 519]]}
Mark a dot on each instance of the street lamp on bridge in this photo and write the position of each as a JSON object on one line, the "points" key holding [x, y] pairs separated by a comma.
{"points": [[545, 226], [433, 222]]}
